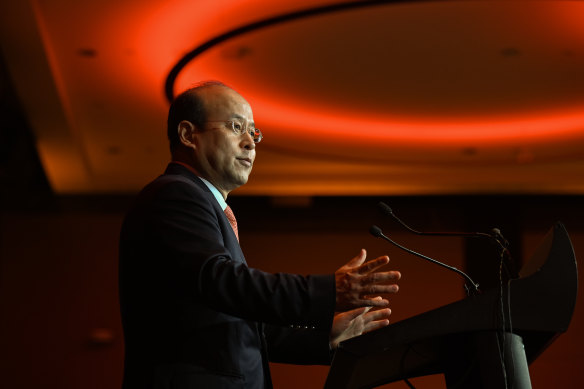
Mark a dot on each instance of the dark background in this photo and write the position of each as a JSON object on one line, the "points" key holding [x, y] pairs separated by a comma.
{"points": [[60, 326]]}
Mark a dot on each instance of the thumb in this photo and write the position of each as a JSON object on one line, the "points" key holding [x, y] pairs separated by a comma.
{"points": [[358, 260], [350, 315]]}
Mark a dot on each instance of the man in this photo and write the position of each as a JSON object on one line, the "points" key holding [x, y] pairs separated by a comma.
{"points": [[194, 314]]}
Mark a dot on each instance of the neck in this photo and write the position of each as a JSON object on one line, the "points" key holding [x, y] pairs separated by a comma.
{"points": [[194, 171], [186, 165]]}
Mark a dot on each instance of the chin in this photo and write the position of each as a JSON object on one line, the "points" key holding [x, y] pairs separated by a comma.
{"points": [[240, 180]]}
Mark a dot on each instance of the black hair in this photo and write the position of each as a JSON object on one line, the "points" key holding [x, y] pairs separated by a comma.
{"points": [[187, 106]]}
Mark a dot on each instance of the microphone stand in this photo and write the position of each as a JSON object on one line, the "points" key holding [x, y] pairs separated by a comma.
{"points": [[377, 232]]}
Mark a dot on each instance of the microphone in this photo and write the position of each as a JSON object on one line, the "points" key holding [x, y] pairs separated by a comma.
{"points": [[500, 238], [496, 237], [388, 211], [378, 233]]}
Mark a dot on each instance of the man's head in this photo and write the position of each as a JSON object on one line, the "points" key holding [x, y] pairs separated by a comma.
{"points": [[201, 135]]}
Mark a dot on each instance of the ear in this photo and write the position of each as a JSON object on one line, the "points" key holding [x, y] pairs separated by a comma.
{"points": [[186, 133]]}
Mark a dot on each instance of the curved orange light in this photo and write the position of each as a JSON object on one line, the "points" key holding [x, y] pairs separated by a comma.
{"points": [[277, 113], [422, 130]]}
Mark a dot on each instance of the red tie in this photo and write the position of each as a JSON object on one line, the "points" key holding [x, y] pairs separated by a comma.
{"points": [[232, 220]]}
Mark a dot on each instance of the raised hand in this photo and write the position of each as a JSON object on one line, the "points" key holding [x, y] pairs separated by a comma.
{"points": [[358, 283]]}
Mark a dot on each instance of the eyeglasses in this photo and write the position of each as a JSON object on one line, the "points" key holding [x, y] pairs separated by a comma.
{"points": [[241, 128]]}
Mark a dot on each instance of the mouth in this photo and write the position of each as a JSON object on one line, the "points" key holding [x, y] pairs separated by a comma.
{"points": [[245, 161]]}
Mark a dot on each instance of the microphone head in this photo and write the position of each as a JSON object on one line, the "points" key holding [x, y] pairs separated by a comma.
{"points": [[375, 231], [385, 208], [500, 238]]}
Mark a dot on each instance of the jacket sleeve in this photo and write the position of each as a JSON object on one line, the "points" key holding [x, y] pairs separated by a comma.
{"points": [[298, 345], [198, 260]]}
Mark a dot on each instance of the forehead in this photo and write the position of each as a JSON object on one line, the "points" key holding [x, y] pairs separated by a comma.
{"points": [[223, 103]]}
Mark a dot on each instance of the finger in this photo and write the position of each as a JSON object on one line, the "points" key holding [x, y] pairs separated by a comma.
{"points": [[392, 275], [370, 297], [375, 325], [381, 303], [370, 289], [380, 314], [373, 264], [381, 277], [358, 259]]}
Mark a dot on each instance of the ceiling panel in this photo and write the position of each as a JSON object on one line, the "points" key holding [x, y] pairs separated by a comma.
{"points": [[368, 97]]}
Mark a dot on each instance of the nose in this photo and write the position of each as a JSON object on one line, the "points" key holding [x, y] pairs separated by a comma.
{"points": [[247, 141]]}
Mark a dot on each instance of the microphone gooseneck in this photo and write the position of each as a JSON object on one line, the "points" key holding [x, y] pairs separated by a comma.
{"points": [[495, 236], [389, 212], [378, 233]]}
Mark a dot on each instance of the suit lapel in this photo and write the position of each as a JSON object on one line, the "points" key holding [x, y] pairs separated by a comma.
{"points": [[229, 238]]}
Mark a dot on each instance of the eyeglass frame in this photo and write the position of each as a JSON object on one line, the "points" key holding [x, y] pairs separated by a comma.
{"points": [[253, 131]]}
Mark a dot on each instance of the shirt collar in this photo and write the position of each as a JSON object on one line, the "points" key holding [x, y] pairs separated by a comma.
{"points": [[216, 193]]}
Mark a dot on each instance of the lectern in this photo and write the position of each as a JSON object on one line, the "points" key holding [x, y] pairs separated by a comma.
{"points": [[484, 341]]}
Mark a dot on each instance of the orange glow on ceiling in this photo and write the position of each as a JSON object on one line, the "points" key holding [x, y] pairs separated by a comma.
{"points": [[536, 127], [455, 84], [297, 116]]}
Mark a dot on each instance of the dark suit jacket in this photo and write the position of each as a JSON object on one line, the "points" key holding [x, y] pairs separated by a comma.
{"points": [[194, 314]]}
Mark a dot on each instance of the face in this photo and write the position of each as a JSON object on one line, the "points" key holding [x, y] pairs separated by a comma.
{"points": [[221, 156]]}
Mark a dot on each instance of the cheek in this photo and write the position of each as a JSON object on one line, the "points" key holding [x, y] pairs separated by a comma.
{"points": [[225, 156], [221, 153]]}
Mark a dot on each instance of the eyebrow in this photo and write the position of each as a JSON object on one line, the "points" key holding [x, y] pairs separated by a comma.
{"points": [[236, 116]]}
